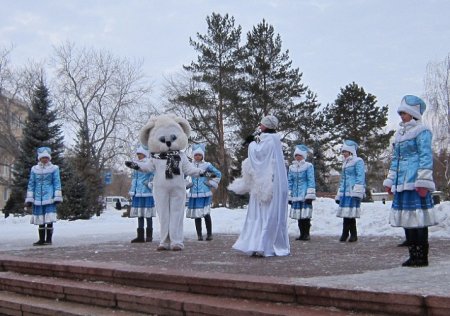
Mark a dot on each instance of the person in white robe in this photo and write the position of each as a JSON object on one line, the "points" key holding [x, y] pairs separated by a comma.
{"points": [[264, 176]]}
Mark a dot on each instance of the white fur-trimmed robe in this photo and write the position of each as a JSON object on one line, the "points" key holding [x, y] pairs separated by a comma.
{"points": [[264, 176]]}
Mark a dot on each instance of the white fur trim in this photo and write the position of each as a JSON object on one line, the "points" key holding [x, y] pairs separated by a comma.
{"points": [[348, 148], [213, 184], [388, 183], [198, 151], [349, 212], [358, 191], [264, 187], [58, 196], [409, 130], [242, 185], [413, 110], [414, 219], [141, 150], [44, 154], [310, 194], [425, 184], [300, 152]]}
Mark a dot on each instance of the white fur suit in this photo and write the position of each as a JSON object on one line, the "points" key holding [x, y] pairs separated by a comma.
{"points": [[165, 136]]}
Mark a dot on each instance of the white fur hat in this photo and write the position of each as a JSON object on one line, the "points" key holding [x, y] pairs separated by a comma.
{"points": [[350, 146], [199, 149], [44, 152], [301, 150], [142, 150], [412, 105], [270, 122]]}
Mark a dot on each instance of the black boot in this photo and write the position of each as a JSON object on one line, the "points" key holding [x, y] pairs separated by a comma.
{"points": [[345, 230], [198, 228], [300, 227], [149, 234], [306, 224], [353, 232], [49, 232], [412, 261], [422, 255], [140, 236], [208, 224], [41, 241]]}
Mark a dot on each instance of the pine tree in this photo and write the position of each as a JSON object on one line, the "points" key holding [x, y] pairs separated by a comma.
{"points": [[85, 186], [40, 130], [356, 116], [213, 91], [321, 168], [272, 86], [75, 203]]}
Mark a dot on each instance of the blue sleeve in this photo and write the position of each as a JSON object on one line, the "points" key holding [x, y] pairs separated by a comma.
{"points": [[424, 148], [311, 181], [133, 181], [32, 182], [394, 161], [290, 180], [360, 173], [214, 170], [56, 180]]}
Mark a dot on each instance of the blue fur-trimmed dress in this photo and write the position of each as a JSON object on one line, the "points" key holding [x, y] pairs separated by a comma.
{"points": [[302, 186], [142, 204], [44, 189], [351, 188], [200, 195], [411, 168]]}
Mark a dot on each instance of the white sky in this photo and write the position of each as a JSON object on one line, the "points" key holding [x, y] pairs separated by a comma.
{"points": [[382, 45]]}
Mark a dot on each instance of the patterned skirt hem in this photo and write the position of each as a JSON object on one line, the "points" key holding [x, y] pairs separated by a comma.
{"points": [[143, 212]]}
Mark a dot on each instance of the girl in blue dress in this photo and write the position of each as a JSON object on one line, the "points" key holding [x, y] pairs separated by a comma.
{"points": [[351, 190], [302, 190], [142, 204], [410, 179], [43, 193], [200, 194]]}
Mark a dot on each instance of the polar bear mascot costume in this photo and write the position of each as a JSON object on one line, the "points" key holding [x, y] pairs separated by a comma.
{"points": [[166, 136]]}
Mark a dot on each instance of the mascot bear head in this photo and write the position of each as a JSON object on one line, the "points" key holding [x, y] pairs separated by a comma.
{"points": [[165, 133]]}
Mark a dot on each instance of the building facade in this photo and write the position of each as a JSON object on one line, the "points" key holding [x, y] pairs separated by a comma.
{"points": [[13, 114]]}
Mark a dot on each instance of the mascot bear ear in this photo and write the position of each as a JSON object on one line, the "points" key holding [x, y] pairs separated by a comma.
{"points": [[184, 125], [145, 131]]}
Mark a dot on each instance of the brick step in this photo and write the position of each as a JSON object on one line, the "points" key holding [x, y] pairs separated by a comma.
{"points": [[19, 304], [45, 290], [252, 288]]}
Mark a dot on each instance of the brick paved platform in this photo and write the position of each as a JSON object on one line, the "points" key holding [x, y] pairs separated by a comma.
{"points": [[350, 271], [321, 258]]}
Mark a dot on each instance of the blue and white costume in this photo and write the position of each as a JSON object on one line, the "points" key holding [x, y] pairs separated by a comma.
{"points": [[44, 189], [302, 185], [352, 183], [351, 190], [410, 179], [411, 167], [200, 194], [143, 204]]}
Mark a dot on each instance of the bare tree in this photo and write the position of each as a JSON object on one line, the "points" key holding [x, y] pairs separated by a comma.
{"points": [[437, 94], [100, 95], [16, 90]]}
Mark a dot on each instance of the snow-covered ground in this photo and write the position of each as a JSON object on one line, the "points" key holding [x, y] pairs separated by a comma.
{"points": [[17, 232]]}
